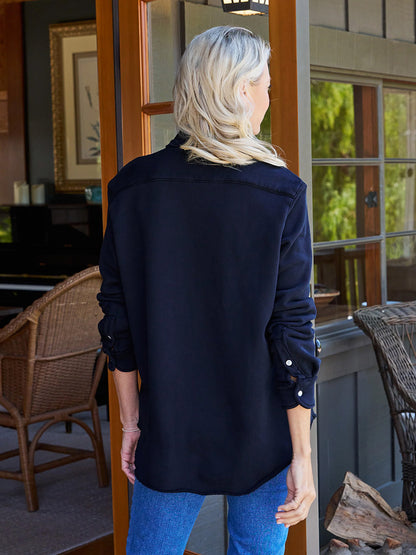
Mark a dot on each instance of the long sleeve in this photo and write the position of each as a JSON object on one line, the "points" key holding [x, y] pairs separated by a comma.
{"points": [[114, 327], [290, 331]]}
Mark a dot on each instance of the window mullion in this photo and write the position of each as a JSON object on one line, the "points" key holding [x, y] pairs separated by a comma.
{"points": [[347, 242], [346, 161], [382, 203]]}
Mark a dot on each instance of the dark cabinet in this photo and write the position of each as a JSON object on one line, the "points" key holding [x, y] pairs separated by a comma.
{"points": [[42, 245]]}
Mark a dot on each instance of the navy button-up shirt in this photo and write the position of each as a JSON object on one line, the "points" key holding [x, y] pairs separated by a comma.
{"points": [[205, 291]]}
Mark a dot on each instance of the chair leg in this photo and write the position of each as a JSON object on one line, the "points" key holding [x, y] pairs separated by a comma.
{"points": [[99, 449], [27, 469]]}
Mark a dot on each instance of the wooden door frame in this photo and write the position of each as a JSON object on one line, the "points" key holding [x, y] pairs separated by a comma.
{"points": [[122, 52], [291, 131]]}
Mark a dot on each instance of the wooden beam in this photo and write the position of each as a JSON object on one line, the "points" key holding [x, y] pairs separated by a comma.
{"points": [[135, 142], [157, 108], [284, 80], [285, 135], [105, 37], [105, 55], [12, 139], [15, 89], [134, 78], [367, 184]]}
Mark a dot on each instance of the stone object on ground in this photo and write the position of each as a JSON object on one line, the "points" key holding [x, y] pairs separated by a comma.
{"points": [[392, 547]]}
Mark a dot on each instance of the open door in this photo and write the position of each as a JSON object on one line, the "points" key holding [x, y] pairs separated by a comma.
{"points": [[135, 38]]}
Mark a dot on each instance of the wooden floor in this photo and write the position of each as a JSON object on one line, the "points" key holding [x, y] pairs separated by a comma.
{"points": [[102, 546]]}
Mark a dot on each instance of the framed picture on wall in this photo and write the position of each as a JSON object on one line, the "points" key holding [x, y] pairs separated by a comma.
{"points": [[75, 107]]}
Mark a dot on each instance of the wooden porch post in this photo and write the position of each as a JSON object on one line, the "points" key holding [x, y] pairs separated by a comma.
{"points": [[291, 131]]}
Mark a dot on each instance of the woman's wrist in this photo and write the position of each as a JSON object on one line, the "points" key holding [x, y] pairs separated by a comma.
{"points": [[130, 422], [302, 454]]}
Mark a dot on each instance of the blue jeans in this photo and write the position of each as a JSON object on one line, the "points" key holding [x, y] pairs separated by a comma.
{"points": [[160, 523]]}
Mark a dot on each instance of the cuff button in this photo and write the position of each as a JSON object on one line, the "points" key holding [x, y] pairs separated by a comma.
{"points": [[300, 393], [109, 337], [288, 363]]}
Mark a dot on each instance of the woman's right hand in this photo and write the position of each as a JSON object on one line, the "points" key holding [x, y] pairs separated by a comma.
{"points": [[301, 492], [128, 451]]}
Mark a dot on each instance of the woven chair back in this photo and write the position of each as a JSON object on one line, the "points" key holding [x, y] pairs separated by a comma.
{"points": [[57, 348], [392, 329]]}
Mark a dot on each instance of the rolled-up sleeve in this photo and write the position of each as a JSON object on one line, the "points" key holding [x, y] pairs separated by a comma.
{"points": [[114, 328], [290, 332]]}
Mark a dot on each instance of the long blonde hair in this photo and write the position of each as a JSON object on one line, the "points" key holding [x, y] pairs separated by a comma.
{"points": [[208, 104]]}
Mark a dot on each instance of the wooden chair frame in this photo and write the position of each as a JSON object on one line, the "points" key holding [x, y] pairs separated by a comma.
{"points": [[35, 373]]}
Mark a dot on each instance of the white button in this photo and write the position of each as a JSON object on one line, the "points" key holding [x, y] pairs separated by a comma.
{"points": [[288, 363], [300, 393]]}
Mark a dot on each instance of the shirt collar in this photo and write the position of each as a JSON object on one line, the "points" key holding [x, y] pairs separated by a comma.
{"points": [[180, 138]]}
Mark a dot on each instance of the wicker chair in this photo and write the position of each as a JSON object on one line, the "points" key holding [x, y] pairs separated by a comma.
{"points": [[392, 329], [49, 371]]}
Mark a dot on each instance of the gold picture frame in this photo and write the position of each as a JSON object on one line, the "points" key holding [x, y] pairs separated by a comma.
{"points": [[75, 111]]}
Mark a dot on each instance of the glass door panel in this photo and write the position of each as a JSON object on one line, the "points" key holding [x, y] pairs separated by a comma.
{"points": [[171, 25]]}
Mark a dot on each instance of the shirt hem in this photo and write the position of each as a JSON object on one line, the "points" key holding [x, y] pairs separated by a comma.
{"points": [[211, 491]]}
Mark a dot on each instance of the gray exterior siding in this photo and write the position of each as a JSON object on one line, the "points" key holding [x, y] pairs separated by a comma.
{"points": [[354, 425]]}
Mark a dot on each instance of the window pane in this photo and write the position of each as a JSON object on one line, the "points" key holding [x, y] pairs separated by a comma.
{"points": [[164, 47], [5, 225], [345, 279], [199, 16], [344, 120], [400, 123], [163, 130], [345, 202], [265, 128], [401, 268], [400, 185], [172, 23]]}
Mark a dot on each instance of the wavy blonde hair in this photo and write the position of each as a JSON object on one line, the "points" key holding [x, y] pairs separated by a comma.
{"points": [[208, 103]]}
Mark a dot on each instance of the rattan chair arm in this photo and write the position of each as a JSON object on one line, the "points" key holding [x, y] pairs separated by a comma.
{"points": [[16, 324], [399, 319]]}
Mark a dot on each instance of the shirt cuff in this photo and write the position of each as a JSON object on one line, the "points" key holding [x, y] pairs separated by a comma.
{"points": [[117, 345], [125, 362], [301, 392]]}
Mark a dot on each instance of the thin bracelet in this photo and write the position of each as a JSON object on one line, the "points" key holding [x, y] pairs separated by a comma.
{"points": [[131, 429]]}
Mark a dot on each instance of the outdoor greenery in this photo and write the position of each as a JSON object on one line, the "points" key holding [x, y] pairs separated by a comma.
{"points": [[399, 179], [396, 123], [333, 136], [334, 187], [5, 225]]}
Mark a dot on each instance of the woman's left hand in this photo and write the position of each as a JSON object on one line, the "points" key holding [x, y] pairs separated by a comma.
{"points": [[301, 492]]}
